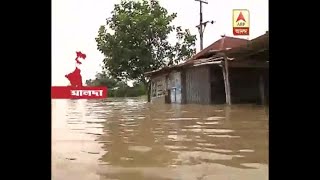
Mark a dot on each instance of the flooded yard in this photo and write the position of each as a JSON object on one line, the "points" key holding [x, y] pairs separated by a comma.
{"points": [[129, 139]]}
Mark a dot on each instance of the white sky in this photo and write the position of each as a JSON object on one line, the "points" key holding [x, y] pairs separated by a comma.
{"points": [[75, 24]]}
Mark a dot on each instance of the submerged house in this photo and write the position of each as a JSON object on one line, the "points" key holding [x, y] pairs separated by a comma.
{"points": [[231, 71]]}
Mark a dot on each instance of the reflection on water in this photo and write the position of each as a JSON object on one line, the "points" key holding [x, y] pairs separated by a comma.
{"points": [[128, 139]]}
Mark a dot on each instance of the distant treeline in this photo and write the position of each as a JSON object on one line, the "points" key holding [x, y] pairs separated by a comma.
{"points": [[117, 88]]}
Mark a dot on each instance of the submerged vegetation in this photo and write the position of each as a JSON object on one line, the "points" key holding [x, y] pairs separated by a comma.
{"points": [[117, 88]]}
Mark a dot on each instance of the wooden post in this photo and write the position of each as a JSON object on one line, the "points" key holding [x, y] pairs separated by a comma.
{"points": [[183, 87], [261, 87], [225, 70], [225, 82], [228, 81]]}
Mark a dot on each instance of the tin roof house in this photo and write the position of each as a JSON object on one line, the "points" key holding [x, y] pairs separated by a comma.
{"points": [[230, 70]]}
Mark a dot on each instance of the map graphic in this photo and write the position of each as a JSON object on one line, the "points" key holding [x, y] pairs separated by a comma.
{"points": [[75, 77]]}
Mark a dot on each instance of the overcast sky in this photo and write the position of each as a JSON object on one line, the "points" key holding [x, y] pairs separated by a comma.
{"points": [[75, 24]]}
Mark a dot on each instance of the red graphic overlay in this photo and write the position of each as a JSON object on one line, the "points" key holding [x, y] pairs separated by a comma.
{"points": [[80, 55], [241, 17], [85, 92], [241, 24], [241, 31], [76, 90], [75, 77]]}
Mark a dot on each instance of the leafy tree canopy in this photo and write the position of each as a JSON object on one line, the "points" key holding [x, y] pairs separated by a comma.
{"points": [[135, 40]]}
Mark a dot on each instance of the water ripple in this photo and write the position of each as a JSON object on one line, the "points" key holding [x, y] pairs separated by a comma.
{"points": [[135, 138]]}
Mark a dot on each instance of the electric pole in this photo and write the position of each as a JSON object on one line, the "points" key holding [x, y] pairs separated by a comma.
{"points": [[201, 27]]}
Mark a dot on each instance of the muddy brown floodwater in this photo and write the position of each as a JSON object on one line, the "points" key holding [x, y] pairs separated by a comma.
{"points": [[129, 139]]}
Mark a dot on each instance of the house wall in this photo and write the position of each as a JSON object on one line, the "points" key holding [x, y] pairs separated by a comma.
{"points": [[266, 85], [183, 88], [198, 85], [218, 94], [174, 85], [205, 85], [158, 88], [244, 85], [162, 83]]}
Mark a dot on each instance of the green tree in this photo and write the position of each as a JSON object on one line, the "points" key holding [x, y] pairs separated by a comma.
{"points": [[137, 41], [117, 88], [102, 79]]}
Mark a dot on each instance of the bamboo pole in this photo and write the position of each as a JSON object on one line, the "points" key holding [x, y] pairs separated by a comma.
{"points": [[225, 82], [225, 70]]}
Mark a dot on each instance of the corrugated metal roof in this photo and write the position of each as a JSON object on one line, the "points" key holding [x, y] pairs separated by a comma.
{"points": [[230, 46], [225, 42]]}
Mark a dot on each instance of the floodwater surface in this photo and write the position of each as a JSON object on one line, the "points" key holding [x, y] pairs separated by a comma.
{"points": [[129, 139]]}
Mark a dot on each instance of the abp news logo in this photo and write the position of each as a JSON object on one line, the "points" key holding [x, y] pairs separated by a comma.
{"points": [[76, 90], [241, 22]]}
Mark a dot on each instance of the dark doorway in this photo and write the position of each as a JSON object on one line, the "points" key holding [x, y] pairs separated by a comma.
{"points": [[266, 86], [245, 85], [218, 95]]}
